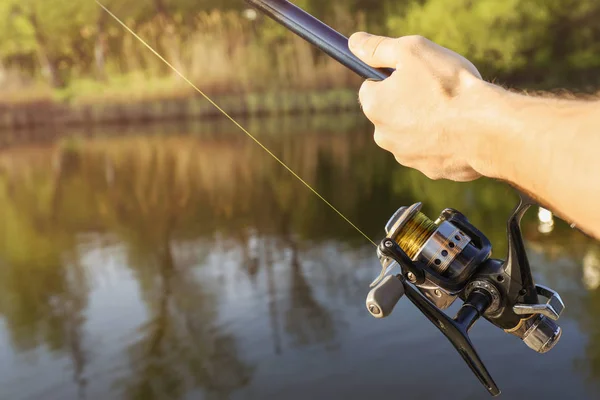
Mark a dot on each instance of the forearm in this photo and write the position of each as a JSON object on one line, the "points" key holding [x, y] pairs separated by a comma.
{"points": [[548, 147]]}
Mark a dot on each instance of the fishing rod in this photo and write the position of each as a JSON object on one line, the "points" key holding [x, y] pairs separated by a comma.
{"points": [[320, 35], [439, 262]]}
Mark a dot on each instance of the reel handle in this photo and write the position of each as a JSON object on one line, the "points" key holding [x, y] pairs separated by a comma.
{"points": [[318, 34], [456, 330], [382, 299]]}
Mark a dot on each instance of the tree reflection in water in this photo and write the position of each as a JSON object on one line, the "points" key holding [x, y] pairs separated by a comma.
{"points": [[181, 348]]}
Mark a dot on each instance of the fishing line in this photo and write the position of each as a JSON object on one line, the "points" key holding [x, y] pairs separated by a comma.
{"points": [[258, 142]]}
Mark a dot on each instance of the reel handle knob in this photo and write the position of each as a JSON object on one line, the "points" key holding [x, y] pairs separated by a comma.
{"points": [[382, 299]]}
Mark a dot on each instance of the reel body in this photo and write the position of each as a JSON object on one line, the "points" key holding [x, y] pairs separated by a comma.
{"points": [[449, 259]]}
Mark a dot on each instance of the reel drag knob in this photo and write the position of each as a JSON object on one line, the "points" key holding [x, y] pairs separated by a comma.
{"points": [[542, 335], [382, 299]]}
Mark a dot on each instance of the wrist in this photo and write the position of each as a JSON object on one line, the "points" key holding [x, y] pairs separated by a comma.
{"points": [[487, 134]]}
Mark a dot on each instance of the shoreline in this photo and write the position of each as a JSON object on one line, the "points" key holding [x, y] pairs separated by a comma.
{"points": [[259, 125], [55, 114]]}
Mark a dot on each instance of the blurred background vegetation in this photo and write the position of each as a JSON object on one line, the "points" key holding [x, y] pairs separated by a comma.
{"points": [[72, 53]]}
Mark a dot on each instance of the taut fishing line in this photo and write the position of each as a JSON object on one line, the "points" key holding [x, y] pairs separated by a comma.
{"points": [[258, 142]]}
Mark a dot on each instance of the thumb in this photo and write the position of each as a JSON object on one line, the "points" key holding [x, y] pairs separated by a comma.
{"points": [[377, 51]]}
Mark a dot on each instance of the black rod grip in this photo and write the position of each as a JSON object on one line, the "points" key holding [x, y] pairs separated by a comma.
{"points": [[319, 34]]}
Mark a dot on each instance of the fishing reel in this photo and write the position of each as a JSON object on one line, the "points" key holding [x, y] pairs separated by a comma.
{"points": [[450, 259]]}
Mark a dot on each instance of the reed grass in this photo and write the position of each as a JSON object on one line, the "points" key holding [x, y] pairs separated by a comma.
{"points": [[250, 68], [247, 67]]}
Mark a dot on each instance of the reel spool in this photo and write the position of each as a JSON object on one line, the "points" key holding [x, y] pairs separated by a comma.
{"points": [[441, 246], [445, 253], [415, 232], [447, 259]]}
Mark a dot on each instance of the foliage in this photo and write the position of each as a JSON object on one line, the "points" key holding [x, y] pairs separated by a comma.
{"points": [[534, 43], [530, 42]]}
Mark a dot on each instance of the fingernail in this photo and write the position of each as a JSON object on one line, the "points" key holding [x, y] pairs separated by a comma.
{"points": [[357, 41]]}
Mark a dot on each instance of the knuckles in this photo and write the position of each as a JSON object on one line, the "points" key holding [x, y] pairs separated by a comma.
{"points": [[433, 175], [411, 44], [432, 171], [367, 98], [380, 139]]}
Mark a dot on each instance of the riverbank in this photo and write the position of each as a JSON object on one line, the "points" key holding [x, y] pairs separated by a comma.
{"points": [[47, 112]]}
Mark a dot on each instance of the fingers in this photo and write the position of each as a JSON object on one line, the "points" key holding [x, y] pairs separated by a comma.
{"points": [[377, 51], [385, 52], [381, 139], [367, 96]]}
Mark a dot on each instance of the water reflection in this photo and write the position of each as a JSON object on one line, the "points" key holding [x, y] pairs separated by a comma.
{"points": [[179, 347], [591, 269], [235, 264]]}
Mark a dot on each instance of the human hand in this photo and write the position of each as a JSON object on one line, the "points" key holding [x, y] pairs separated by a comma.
{"points": [[422, 113]]}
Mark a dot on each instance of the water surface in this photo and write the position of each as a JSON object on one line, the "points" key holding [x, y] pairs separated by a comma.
{"points": [[181, 262]]}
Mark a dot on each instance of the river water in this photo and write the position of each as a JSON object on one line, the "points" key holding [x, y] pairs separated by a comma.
{"points": [[182, 262]]}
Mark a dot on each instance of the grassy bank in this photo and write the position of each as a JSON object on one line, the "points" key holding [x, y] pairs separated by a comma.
{"points": [[248, 67], [47, 112]]}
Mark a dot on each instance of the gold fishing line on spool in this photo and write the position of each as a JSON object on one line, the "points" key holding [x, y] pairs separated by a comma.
{"points": [[415, 232]]}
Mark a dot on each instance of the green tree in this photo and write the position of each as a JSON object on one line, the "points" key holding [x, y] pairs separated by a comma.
{"points": [[523, 41]]}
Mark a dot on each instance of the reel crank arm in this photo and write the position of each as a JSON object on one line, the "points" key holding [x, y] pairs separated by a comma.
{"points": [[456, 330]]}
